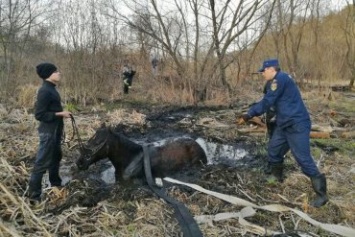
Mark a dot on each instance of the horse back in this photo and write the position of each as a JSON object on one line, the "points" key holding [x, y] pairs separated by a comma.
{"points": [[177, 154]]}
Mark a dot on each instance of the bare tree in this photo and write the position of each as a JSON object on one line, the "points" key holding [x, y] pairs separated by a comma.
{"points": [[315, 24], [85, 38], [263, 30], [166, 29], [202, 32], [17, 17], [349, 31], [230, 25], [205, 44], [289, 26]]}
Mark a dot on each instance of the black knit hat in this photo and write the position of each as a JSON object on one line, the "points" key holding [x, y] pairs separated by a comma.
{"points": [[45, 70]]}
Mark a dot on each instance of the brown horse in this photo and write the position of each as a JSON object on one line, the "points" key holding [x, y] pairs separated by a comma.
{"points": [[126, 156]]}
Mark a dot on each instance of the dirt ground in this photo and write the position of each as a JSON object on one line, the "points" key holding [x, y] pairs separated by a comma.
{"points": [[92, 204]]}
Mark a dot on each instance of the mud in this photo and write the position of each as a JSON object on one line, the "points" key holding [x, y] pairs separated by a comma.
{"points": [[223, 153], [91, 203]]}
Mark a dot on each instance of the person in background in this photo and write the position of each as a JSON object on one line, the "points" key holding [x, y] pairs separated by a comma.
{"points": [[292, 130], [49, 112], [154, 64], [127, 74]]}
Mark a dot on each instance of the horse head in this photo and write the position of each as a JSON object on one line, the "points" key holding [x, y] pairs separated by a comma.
{"points": [[95, 149]]}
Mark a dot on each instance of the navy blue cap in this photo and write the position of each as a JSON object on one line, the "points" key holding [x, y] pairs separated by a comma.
{"points": [[269, 63]]}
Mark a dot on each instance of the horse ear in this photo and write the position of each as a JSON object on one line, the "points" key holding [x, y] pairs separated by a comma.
{"points": [[103, 125]]}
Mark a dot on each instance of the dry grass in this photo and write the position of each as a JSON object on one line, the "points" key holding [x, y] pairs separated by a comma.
{"points": [[26, 95], [141, 214]]}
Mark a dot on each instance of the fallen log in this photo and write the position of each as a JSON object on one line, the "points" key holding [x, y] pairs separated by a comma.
{"points": [[253, 120], [253, 129], [341, 88], [322, 135]]}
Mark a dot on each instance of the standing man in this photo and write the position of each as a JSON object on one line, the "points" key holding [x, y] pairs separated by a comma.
{"points": [[154, 64], [127, 74], [293, 126], [49, 112]]}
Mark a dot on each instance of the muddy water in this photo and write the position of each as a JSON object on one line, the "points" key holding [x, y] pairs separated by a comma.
{"points": [[216, 154], [220, 153], [163, 126]]}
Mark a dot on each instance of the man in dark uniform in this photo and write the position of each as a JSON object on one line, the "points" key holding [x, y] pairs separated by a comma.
{"points": [[293, 126], [49, 111], [127, 74]]}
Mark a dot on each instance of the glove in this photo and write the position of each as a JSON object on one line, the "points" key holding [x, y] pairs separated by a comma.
{"points": [[246, 117]]}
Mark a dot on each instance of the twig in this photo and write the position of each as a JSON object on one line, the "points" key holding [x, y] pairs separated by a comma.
{"points": [[281, 224], [240, 179], [245, 194]]}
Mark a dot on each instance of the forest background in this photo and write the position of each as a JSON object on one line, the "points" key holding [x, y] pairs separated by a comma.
{"points": [[207, 50]]}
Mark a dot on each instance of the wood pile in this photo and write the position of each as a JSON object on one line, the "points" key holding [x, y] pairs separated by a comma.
{"points": [[339, 125]]}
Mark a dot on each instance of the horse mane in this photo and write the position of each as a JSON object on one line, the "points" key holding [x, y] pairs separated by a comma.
{"points": [[127, 143]]}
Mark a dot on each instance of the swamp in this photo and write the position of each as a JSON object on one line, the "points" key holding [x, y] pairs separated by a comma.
{"points": [[91, 203]]}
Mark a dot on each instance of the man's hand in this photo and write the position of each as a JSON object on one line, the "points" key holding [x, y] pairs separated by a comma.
{"points": [[64, 114], [245, 117]]}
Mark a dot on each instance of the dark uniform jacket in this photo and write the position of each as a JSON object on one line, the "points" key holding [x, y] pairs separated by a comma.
{"points": [[128, 73], [48, 103], [284, 96]]}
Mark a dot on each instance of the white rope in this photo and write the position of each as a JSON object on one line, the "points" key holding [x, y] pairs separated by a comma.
{"points": [[337, 229]]}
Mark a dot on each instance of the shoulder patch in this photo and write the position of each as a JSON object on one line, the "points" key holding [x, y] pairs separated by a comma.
{"points": [[274, 85]]}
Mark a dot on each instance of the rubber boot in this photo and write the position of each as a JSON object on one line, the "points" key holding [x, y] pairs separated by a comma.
{"points": [[319, 184], [276, 171], [35, 186]]}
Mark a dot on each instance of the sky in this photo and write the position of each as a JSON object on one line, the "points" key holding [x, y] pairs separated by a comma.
{"points": [[337, 4]]}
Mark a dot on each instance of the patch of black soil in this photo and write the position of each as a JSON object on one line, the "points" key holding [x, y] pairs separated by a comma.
{"points": [[166, 112], [87, 188], [84, 193], [164, 123]]}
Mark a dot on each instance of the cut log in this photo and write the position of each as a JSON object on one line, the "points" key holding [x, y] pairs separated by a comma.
{"points": [[323, 135], [257, 121], [253, 120], [254, 129]]}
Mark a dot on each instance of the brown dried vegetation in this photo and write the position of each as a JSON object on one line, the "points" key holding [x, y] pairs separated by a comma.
{"points": [[86, 207]]}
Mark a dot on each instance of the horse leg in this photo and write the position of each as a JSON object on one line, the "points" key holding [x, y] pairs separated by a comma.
{"points": [[135, 168], [129, 182]]}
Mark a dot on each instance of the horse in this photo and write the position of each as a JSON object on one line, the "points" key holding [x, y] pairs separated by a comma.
{"points": [[166, 157]]}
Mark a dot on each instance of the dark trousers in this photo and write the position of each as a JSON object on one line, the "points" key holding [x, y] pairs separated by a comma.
{"points": [[127, 83], [125, 89], [48, 158], [296, 138]]}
